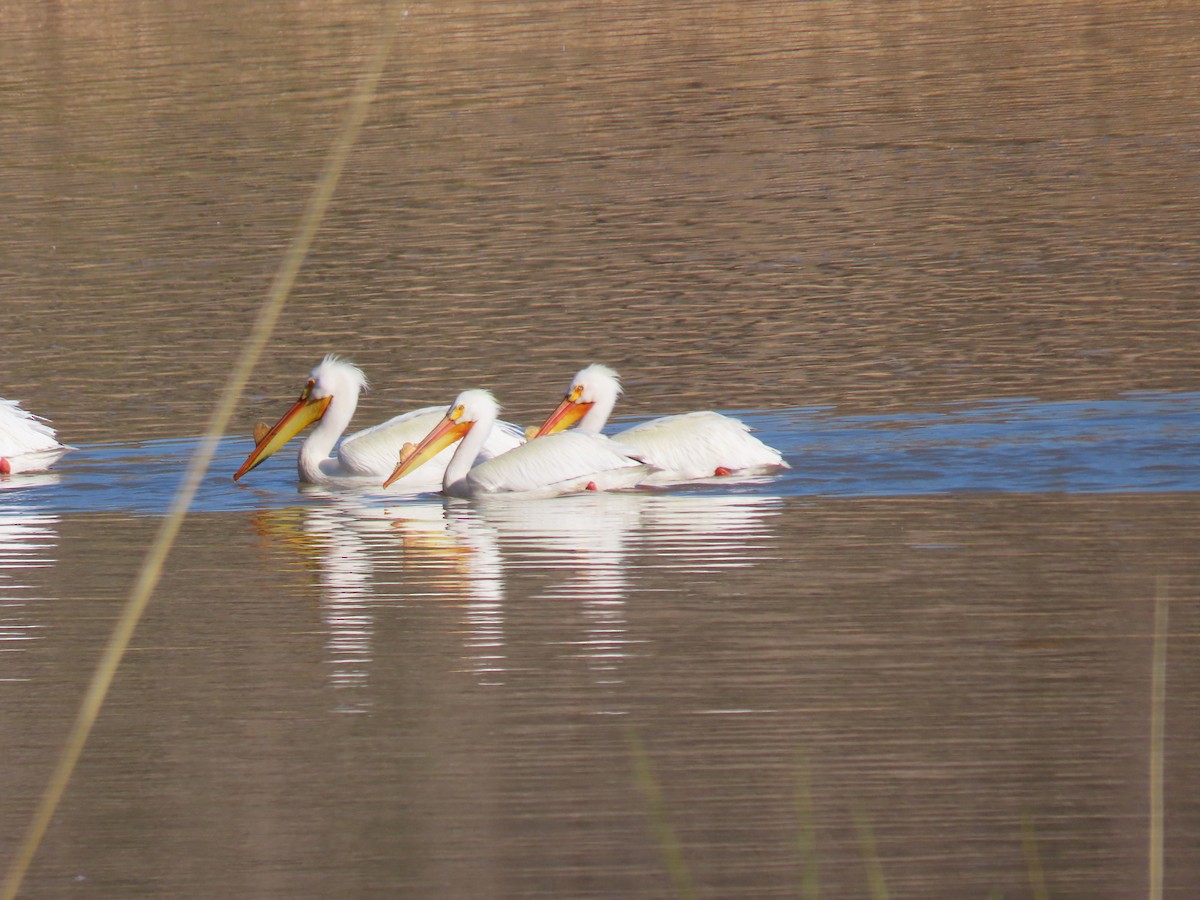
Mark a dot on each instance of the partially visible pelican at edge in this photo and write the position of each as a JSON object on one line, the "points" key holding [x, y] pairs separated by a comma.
{"points": [[683, 447], [557, 464], [329, 399], [27, 442]]}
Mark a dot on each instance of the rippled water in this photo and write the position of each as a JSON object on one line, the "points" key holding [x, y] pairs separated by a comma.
{"points": [[941, 257]]}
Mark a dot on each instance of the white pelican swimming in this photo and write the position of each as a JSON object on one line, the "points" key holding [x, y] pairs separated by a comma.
{"points": [[557, 464], [330, 398], [683, 447], [27, 442]]}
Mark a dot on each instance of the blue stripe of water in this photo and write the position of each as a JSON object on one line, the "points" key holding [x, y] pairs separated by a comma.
{"points": [[1137, 443]]}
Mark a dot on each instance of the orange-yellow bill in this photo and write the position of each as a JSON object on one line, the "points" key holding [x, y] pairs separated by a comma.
{"points": [[306, 411], [445, 433], [566, 414]]}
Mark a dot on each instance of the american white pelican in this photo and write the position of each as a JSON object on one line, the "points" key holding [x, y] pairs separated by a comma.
{"points": [[330, 398], [683, 447], [27, 442], [558, 464]]}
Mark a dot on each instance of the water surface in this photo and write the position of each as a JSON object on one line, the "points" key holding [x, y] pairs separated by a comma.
{"points": [[941, 257]]}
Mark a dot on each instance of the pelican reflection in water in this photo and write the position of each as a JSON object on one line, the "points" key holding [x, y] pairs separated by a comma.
{"points": [[28, 541], [366, 557], [580, 559]]}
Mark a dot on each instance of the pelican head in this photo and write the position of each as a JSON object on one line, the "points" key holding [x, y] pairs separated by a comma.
{"points": [[469, 409], [595, 387], [333, 387]]}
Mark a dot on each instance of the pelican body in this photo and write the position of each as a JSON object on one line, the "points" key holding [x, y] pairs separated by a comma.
{"points": [[559, 464], [27, 442], [329, 398], [683, 447]]}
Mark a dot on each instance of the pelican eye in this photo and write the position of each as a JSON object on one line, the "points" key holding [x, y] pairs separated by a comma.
{"points": [[457, 412], [576, 393], [308, 389]]}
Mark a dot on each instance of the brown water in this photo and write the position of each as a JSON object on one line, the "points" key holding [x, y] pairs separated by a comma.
{"points": [[926, 651]]}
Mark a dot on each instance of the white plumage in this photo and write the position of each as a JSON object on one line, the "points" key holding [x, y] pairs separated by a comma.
{"points": [[558, 464], [329, 399], [27, 442], [683, 447]]}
